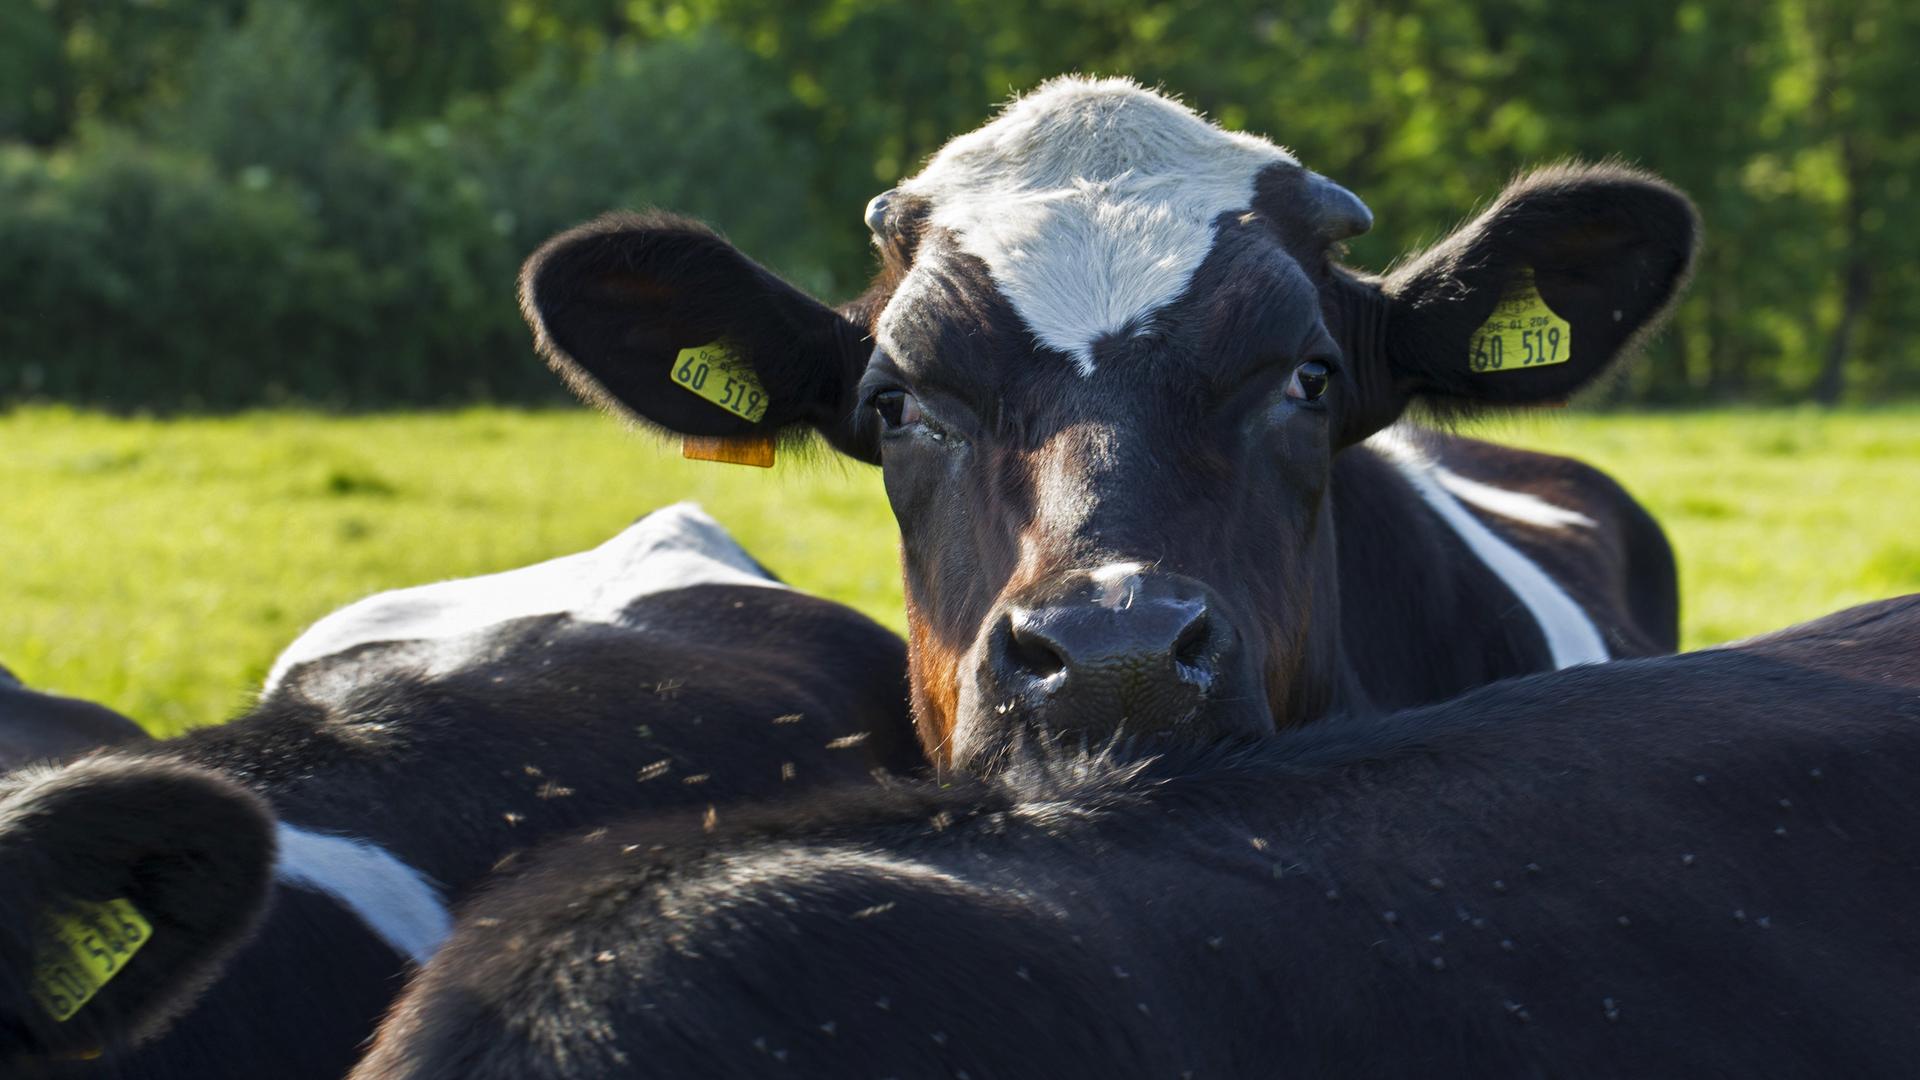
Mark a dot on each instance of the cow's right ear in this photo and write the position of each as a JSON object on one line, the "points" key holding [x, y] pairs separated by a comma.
{"points": [[624, 306], [125, 885], [1553, 284]]}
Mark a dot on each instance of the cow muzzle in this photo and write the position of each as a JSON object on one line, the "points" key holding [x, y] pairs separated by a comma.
{"points": [[1116, 652]]}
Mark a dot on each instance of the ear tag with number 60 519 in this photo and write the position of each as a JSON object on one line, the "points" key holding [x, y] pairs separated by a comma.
{"points": [[1523, 332], [713, 372]]}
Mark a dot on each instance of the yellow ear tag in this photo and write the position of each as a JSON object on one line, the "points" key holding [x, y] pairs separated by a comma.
{"points": [[87, 944], [715, 373], [1523, 332]]}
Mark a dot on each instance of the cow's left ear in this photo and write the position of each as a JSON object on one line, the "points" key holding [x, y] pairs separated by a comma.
{"points": [[658, 314], [1541, 293], [125, 885]]}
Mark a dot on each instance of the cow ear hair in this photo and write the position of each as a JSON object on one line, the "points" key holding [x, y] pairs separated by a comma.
{"points": [[186, 851], [1590, 256], [616, 305]]}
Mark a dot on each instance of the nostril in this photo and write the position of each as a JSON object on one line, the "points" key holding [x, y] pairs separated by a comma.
{"points": [[1033, 652], [1190, 648], [1030, 648]]}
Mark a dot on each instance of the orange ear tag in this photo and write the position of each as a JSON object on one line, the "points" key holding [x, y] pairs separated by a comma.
{"points": [[753, 450], [714, 373]]}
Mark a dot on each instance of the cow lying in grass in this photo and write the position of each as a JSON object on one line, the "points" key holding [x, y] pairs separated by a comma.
{"points": [[37, 726], [1135, 417], [279, 873], [1700, 865]]}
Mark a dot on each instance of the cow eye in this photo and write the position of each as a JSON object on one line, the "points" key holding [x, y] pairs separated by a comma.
{"points": [[1309, 381], [897, 408]]}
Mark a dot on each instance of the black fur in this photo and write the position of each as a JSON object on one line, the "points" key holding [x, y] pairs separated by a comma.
{"points": [[700, 696], [38, 726], [1700, 865]]}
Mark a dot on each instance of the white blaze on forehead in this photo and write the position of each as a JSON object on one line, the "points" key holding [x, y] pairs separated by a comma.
{"points": [[673, 548], [1091, 202]]}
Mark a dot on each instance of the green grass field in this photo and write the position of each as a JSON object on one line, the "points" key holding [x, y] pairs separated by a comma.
{"points": [[158, 566]]}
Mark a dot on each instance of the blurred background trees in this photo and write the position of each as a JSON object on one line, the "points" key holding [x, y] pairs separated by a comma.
{"points": [[218, 203]]}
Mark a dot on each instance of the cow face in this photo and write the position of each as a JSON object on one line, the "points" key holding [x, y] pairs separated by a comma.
{"points": [[1106, 369]]}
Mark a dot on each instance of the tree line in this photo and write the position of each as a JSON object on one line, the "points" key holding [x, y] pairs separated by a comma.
{"points": [[218, 203]]}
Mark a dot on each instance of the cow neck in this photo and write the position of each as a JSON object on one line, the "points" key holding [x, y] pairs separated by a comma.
{"points": [[364, 846], [393, 898], [1361, 314], [384, 816], [369, 810]]}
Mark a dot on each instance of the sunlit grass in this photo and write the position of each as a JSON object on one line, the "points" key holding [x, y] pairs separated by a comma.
{"points": [[159, 566], [1777, 515]]}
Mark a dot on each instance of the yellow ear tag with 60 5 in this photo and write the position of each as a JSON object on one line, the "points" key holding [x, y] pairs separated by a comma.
{"points": [[728, 381], [1523, 332], [85, 946]]}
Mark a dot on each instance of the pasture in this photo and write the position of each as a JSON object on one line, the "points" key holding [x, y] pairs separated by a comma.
{"points": [[159, 565]]}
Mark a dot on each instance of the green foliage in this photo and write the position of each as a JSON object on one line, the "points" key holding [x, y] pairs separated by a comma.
{"points": [[132, 273], [421, 54], [422, 147], [228, 535], [269, 93], [31, 73], [106, 59], [262, 240], [691, 124]]}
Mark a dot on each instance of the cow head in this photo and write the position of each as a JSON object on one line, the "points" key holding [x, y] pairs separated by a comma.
{"points": [[124, 886], [1106, 368], [37, 726]]}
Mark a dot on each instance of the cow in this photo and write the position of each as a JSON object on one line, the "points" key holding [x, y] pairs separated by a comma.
{"points": [[1694, 865], [405, 746], [39, 726], [1139, 426]]}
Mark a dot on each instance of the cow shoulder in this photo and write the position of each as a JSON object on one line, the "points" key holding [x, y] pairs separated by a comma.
{"points": [[1581, 526], [1876, 643], [1408, 579], [448, 623], [728, 922]]}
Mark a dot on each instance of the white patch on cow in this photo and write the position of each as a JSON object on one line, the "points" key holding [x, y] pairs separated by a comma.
{"points": [[1517, 505], [791, 870], [1118, 582], [1091, 202], [672, 548], [1571, 636], [394, 900]]}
